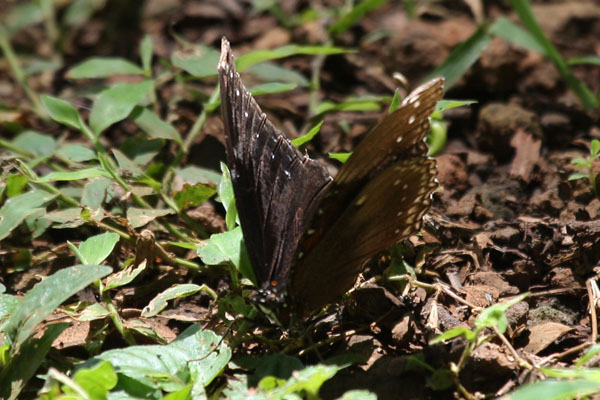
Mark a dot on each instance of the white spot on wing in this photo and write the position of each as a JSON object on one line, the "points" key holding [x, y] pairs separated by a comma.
{"points": [[411, 120]]}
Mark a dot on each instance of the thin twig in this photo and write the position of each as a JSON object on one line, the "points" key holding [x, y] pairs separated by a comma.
{"points": [[592, 290], [522, 362]]}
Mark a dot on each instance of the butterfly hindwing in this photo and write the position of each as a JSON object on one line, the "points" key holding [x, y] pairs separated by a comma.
{"points": [[377, 199], [388, 209], [276, 187]]}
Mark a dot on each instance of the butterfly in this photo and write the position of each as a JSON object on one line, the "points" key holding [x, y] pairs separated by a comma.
{"points": [[308, 235]]}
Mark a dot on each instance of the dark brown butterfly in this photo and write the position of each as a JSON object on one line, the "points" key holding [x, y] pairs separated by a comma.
{"points": [[307, 234]]}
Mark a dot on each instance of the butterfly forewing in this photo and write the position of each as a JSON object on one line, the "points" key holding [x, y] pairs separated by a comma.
{"points": [[276, 187]]}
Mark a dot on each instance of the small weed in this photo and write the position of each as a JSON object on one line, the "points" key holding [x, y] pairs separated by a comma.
{"points": [[494, 318], [588, 165]]}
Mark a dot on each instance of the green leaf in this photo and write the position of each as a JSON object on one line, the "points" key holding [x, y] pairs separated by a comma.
{"points": [[201, 65], [444, 105], [202, 353], [272, 72], [66, 217], [97, 191], [183, 394], [116, 103], [577, 176], [36, 223], [595, 147], [21, 15], [589, 354], [453, 333], [299, 141], [76, 152], [15, 185], [590, 60], [74, 175], [441, 379], [352, 104], [195, 175], [358, 395], [141, 150], [193, 195], [126, 166], [8, 305], [123, 277], [496, 315], [395, 103], [226, 197], [93, 312], [510, 32], [579, 162], [272, 88], [97, 381], [25, 362], [159, 302], [47, 295], [103, 67], [35, 142], [80, 11], [257, 56], [341, 157], [227, 247], [355, 14], [307, 382], [437, 137], [146, 48], [590, 374], [153, 126], [17, 208], [139, 217], [462, 57], [551, 389], [97, 248], [62, 111]]}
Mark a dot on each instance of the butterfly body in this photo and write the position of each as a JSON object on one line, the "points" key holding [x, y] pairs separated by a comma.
{"points": [[308, 234]]}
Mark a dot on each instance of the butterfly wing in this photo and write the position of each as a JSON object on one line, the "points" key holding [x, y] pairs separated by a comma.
{"points": [[378, 198], [277, 188], [399, 136]]}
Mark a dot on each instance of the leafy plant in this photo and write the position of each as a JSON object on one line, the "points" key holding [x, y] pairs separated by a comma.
{"points": [[533, 38], [563, 383], [493, 317], [588, 165]]}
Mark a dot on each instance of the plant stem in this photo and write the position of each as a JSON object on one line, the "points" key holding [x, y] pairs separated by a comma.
{"points": [[20, 75]]}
